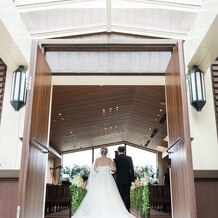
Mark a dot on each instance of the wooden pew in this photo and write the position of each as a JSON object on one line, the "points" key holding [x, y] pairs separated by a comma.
{"points": [[58, 198], [160, 198]]}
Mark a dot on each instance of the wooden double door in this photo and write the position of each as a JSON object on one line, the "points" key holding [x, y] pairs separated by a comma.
{"points": [[35, 143]]}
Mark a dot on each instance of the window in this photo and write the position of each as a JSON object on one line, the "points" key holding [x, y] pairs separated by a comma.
{"points": [[80, 158]]}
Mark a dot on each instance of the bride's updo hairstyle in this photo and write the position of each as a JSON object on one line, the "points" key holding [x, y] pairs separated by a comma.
{"points": [[104, 151]]}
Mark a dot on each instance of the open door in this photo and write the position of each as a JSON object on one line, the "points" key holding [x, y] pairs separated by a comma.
{"points": [[182, 177], [32, 178]]}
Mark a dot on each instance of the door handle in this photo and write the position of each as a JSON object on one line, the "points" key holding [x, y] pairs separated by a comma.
{"points": [[44, 149], [174, 143]]}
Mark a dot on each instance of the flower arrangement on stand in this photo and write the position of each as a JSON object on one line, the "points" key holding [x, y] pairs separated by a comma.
{"points": [[139, 190], [78, 177]]}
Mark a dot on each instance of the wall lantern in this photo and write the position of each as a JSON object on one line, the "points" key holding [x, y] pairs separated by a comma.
{"points": [[196, 88], [18, 89]]}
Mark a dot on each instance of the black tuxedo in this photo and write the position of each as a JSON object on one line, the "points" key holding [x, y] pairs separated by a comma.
{"points": [[124, 176]]}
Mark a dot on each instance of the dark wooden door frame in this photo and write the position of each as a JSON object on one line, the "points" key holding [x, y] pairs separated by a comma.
{"points": [[71, 45], [108, 45], [182, 177], [34, 154]]}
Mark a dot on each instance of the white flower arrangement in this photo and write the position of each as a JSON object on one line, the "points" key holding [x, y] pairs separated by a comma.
{"points": [[140, 182], [78, 181], [142, 178]]}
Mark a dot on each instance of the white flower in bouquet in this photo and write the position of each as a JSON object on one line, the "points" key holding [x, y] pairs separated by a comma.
{"points": [[133, 186], [78, 181], [145, 179], [136, 183]]}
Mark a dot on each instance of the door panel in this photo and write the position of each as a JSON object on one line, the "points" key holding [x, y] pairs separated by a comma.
{"points": [[35, 141], [182, 178]]}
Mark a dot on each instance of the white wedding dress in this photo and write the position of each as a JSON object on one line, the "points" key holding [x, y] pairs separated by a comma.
{"points": [[102, 199]]}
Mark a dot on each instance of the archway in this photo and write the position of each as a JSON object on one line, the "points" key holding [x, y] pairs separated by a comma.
{"points": [[178, 130]]}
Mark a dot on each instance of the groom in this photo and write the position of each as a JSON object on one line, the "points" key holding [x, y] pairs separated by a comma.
{"points": [[124, 175]]}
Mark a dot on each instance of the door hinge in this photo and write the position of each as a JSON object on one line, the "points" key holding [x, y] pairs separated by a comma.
{"points": [[28, 82]]}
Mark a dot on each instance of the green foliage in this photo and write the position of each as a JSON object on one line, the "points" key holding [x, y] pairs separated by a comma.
{"points": [[77, 194], [140, 199]]}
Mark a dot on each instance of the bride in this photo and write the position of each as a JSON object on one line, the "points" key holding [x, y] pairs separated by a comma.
{"points": [[102, 198]]}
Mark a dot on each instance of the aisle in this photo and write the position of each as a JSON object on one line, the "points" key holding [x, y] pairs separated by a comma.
{"points": [[159, 214], [61, 214], [65, 214]]}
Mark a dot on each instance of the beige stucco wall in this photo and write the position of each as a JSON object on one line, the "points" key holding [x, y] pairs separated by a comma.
{"points": [[203, 129], [201, 49], [15, 45], [11, 128]]}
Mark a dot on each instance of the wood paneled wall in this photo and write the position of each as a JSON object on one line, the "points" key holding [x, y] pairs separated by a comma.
{"points": [[206, 187], [3, 69], [8, 193], [214, 69]]}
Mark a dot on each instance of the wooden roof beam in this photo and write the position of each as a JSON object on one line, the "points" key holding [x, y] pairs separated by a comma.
{"points": [[108, 44]]}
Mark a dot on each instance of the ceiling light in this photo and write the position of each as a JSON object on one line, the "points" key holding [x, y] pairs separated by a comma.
{"points": [[59, 114]]}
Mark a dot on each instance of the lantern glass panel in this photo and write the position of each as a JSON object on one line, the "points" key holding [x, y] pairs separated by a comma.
{"points": [[17, 86], [199, 85], [22, 87], [193, 88]]}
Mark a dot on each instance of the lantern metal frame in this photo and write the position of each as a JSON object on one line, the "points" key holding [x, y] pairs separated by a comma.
{"points": [[18, 89], [196, 88]]}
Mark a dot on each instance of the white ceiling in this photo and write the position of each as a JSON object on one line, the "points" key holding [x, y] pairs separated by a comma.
{"points": [[163, 19]]}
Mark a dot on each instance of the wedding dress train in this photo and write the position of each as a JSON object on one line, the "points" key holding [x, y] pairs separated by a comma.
{"points": [[102, 199]]}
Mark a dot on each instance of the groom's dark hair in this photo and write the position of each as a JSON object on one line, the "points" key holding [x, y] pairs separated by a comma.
{"points": [[121, 149]]}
